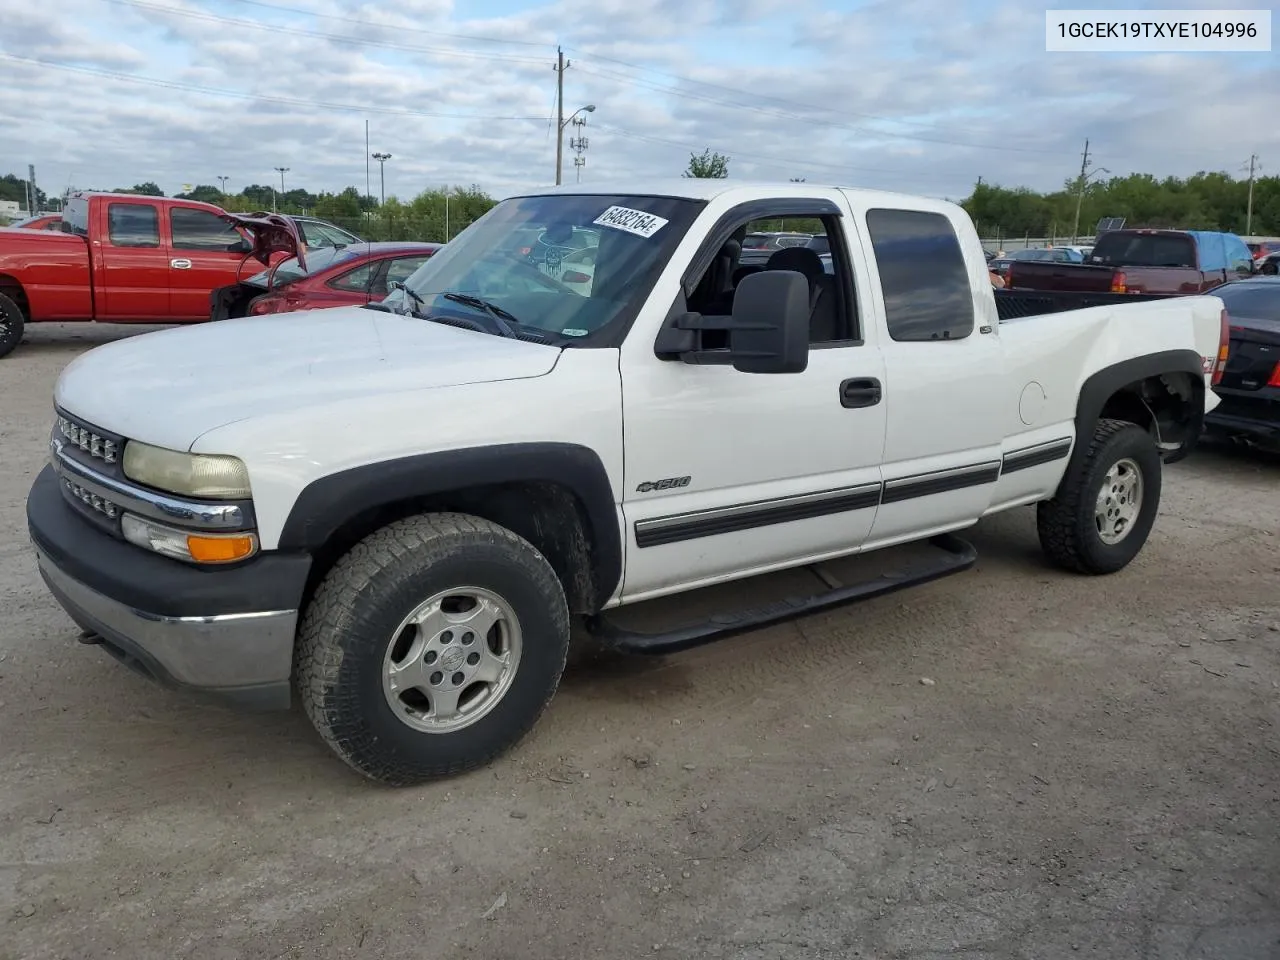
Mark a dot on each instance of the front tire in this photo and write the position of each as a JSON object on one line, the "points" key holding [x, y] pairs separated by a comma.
{"points": [[1107, 503], [12, 324], [431, 647]]}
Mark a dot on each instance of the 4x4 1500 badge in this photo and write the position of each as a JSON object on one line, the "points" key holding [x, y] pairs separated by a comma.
{"points": [[670, 483]]}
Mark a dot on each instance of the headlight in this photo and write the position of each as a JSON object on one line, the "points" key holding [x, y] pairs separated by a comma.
{"points": [[188, 545], [193, 474]]}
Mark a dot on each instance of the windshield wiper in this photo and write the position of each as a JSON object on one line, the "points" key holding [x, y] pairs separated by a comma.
{"points": [[502, 319]]}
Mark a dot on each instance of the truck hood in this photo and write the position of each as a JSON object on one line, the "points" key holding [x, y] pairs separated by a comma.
{"points": [[169, 387]]}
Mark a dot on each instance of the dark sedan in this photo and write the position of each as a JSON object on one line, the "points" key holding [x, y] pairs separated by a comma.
{"points": [[1250, 386]]}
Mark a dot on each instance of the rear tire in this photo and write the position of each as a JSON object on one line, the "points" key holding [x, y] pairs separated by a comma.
{"points": [[1107, 503], [12, 324], [431, 647]]}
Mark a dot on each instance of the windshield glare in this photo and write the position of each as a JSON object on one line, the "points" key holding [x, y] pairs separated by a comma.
{"points": [[569, 264]]}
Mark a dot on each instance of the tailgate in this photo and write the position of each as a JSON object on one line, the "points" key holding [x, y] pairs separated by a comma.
{"points": [[1041, 275]]}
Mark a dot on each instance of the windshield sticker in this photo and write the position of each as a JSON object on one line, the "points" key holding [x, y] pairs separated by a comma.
{"points": [[631, 221]]}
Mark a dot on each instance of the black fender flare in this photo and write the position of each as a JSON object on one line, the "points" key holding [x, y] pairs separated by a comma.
{"points": [[327, 503], [1100, 386]]}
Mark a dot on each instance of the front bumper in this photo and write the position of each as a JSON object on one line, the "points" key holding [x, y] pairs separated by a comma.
{"points": [[227, 632]]}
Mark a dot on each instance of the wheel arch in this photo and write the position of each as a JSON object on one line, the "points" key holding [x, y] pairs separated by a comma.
{"points": [[555, 495], [1164, 389], [12, 288]]}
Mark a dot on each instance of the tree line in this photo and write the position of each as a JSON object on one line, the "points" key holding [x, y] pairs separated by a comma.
{"points": [[1205, 201]]}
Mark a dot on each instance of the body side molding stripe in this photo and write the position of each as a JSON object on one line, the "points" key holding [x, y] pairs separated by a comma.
{"points": [[941, 481], [1036, 455], [747, 516]]}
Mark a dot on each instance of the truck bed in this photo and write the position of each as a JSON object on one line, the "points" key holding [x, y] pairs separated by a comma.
{"points": [[1017, 304], [1067, 277]]}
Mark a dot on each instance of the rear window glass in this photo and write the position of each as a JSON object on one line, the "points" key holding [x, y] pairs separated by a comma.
{"points": [[1144, 250], [322, 259], [927, 295], [1254, 301], [76, 217]]}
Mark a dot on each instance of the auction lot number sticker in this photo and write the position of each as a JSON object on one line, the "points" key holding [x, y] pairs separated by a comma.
{"points": [[632, 221], [1157, 31]]}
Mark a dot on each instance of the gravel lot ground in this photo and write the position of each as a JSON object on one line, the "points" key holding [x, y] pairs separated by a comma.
{"points": [[1091, 772]]}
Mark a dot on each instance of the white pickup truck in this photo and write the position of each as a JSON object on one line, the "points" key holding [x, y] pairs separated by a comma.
{"points": [[399, 510]]}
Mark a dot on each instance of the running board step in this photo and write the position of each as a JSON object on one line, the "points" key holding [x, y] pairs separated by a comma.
{"points": [[954, 556]]}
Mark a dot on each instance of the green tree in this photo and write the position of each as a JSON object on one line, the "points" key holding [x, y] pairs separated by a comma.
{"points": [[15, 189], [148, 189], [707, 166], [204, 193]]}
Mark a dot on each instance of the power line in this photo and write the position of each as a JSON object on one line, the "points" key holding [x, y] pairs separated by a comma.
{"points": [[777, 115], [792, 103], [780, 162], [315, 34], [751, 94], [280, 8], [262, 98]]}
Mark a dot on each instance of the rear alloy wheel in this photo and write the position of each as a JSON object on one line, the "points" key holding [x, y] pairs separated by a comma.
{"points": [[12, 324], [1107, 502]]}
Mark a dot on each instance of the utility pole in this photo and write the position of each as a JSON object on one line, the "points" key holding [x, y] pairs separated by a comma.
{"points": [[223, 182], [1084, 170], [1248, 217], [561, 66], [1085, 176], [35, 196], [382, 159]]}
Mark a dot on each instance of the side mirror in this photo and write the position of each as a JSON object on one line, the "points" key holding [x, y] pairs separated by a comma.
{"points": [[770, 328], [768, 331]]}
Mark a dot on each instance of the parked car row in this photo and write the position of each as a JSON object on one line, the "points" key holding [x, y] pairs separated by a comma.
{"points": [[126, 258], [315, 233]]}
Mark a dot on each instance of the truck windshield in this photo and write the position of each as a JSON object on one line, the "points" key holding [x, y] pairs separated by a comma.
{"points": [[1144, 250], [574, 265]]}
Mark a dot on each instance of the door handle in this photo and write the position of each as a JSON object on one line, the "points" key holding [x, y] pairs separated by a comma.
{"points": [[860, 392], [180, 264]]}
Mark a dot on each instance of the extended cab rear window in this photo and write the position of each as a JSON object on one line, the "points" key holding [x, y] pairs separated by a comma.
{"points": [[927, 295], [1144, 250]]}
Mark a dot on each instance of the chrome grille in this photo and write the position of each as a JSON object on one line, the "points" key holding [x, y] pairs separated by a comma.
{"points": [[96, 445], [91, 500]]}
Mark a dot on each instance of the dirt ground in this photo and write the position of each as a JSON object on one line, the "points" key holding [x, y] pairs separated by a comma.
{"points": [[1090, 771]]}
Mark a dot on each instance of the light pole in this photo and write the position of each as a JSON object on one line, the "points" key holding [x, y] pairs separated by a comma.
{"points": [[382, 159], [223, 181], [283, 171], [565, 121]]}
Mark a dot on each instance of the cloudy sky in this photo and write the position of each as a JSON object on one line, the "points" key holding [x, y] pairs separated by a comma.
{"points": [[916, 95]]}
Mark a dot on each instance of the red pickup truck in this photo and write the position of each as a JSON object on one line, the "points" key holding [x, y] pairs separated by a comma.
{"points": [[1171, 262], [123, 258]]}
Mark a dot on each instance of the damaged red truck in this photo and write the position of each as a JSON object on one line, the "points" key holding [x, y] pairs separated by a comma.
{"points": [[123, 258]]}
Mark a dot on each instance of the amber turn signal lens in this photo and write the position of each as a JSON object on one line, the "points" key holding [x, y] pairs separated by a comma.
{"points": [[219, 549]]}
